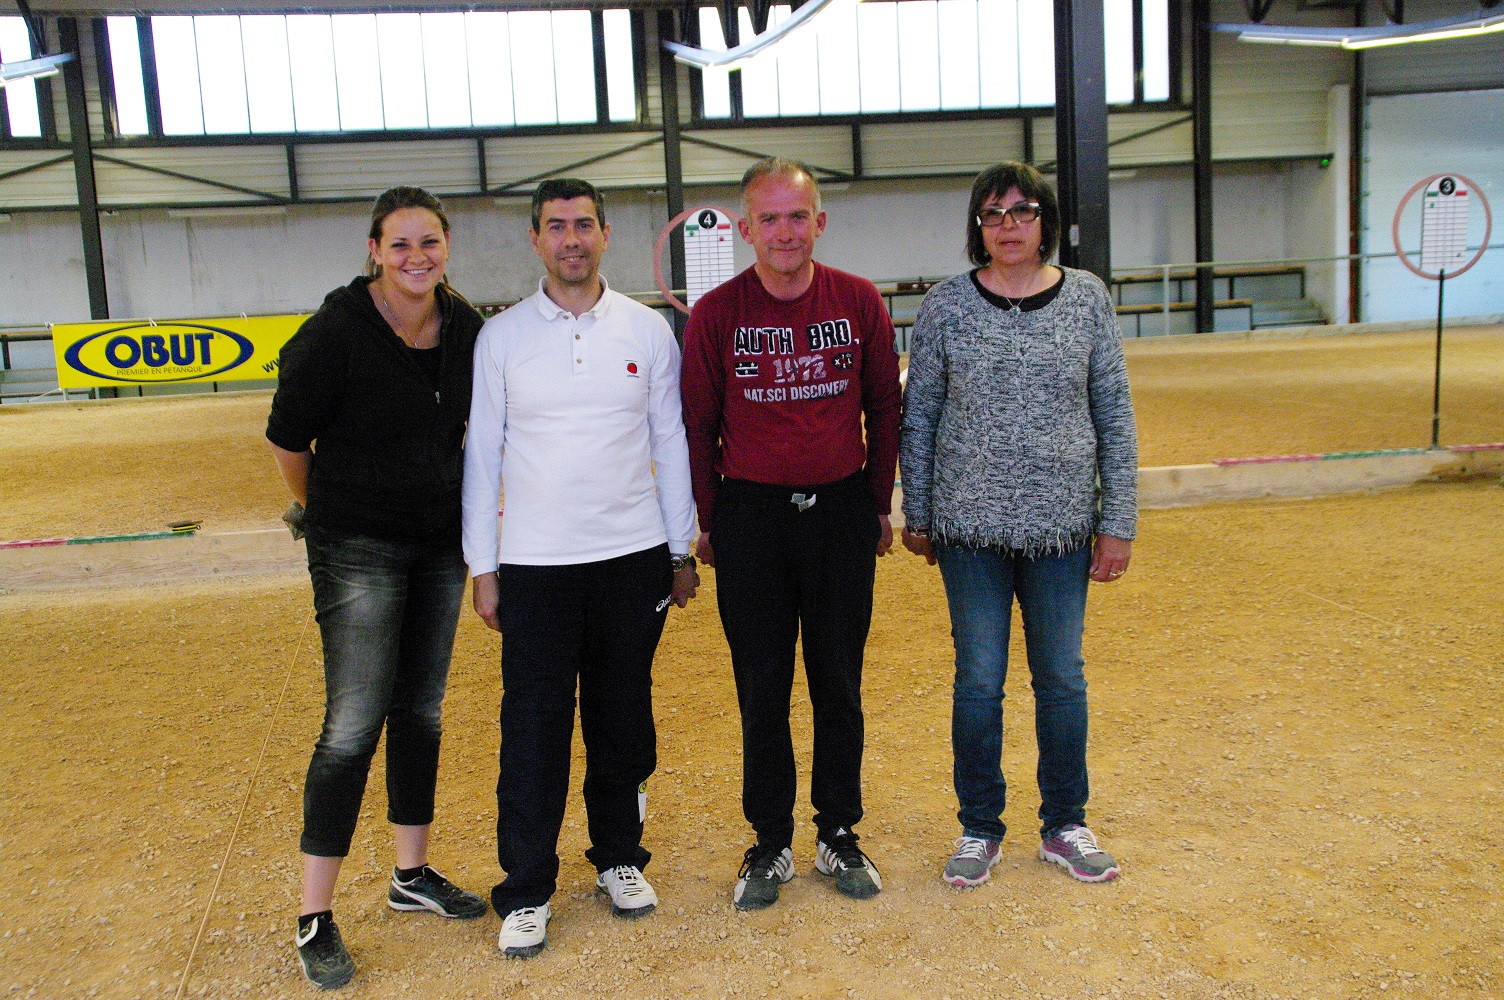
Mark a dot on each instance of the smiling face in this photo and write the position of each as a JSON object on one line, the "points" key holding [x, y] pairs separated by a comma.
{"points": [[412, 252], [782, 223], [1011, 244], [570, 240]]}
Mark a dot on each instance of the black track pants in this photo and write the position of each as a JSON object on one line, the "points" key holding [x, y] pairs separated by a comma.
{"points": [[780, 570]]}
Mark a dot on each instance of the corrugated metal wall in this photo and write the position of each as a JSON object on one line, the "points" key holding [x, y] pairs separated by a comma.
{"points": [[1269, 102]]}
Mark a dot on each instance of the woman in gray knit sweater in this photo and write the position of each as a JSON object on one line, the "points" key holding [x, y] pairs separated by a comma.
{"points": [[1019, 461]]}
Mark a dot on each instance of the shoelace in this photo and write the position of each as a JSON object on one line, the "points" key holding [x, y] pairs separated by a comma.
{"points": [[758, 859], [847, 854], [1081, 839], [630, 881], [971, 848], [527, 920]]}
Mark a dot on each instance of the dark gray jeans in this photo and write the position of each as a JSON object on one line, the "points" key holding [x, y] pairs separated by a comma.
{"points": [[387, 613]]}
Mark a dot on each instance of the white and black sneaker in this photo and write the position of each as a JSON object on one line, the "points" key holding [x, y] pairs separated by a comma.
{"points": [[321, 952], [524, 932], [763, 870], [631, 895], [855, 874], [428, 890]]}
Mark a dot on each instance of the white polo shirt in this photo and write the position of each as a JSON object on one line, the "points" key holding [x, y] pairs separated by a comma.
{"points": [[573, 416]]}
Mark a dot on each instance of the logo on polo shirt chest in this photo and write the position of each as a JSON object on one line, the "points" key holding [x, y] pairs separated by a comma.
{"points": [[632, 370]]}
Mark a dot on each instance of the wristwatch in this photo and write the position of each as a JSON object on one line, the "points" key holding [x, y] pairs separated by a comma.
{"points": [[682, 562]]}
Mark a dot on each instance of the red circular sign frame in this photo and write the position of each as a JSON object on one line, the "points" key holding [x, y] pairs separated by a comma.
{"points": [[674, 223], [1488, 226]]}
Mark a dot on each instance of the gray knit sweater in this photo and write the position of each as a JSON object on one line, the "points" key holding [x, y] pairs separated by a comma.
{"points": [[1018, 426]]}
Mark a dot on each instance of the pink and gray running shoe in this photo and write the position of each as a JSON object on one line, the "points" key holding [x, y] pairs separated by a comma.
{"points": [[1073, 848], [973, 861]]}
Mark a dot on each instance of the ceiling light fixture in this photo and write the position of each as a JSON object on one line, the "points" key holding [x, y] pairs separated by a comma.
{"points": [[1357, 39], [33, 69]]}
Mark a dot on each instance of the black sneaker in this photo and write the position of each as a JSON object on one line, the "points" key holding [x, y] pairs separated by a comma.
{"points": [[322, 954], [856, 875], [763, 871], [435, 893]]}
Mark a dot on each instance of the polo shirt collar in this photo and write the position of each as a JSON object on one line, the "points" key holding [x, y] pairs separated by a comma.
{"points": [[552, 310]]}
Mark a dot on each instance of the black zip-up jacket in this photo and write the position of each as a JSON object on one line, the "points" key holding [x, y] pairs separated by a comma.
{"points": [[389, 451]]}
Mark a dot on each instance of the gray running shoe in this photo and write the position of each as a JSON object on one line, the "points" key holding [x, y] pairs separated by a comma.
{"points": [[856, 876], [1074, 848], [763, 871], [322, 954], [972, 863], [435, 893]]}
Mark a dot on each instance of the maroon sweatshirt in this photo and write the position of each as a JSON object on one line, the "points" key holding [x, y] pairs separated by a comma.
{"points": [[775, 391]]}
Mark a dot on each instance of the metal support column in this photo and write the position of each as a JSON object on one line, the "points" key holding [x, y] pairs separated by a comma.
{"points": [[1357, 112], [1081, 137], [1201, 145], [673, 162], [83, 169]]}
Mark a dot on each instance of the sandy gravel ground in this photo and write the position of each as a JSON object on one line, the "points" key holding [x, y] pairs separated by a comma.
{"points": [[1296, 739], [165, 459]]}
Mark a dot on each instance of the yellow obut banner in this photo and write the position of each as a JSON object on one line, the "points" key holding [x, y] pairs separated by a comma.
{"points": [[135, 352]]}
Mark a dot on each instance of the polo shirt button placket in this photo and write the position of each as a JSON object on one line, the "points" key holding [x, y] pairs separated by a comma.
{"points": [[579, 347]]}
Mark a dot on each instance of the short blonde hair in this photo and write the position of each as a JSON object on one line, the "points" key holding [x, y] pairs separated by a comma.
{"points": [[779, 166]]}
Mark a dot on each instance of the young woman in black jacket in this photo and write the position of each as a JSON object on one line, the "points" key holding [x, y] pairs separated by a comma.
{"points": [[367, 428]]}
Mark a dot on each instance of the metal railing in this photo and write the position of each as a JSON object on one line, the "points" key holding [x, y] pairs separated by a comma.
{"points": [[902, 297]]}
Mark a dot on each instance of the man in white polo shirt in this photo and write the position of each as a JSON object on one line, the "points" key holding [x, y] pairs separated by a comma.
{"points": [[575, 406]]}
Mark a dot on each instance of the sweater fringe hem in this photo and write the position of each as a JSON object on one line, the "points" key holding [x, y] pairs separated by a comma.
{"points": [[1056, 542]]}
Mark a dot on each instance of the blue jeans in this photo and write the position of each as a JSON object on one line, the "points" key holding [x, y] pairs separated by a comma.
{"points": [[387, 613], [980, 585]]}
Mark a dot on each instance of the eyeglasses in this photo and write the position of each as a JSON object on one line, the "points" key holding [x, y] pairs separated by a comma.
{"points": [[1022, 214]]}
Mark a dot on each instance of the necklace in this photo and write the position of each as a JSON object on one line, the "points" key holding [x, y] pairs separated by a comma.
{"points": [[1014, 302], [390, 315]]}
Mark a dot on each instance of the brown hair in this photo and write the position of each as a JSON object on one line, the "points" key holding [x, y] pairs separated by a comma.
{"points": [[999, 180], [395, 199]]}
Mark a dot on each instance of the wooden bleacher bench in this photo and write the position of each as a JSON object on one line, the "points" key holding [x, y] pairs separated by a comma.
{"points": [[1189, 273], [27, 383], [1158, 307]]}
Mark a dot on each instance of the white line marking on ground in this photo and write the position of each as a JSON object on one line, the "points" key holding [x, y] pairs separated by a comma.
{"points": [[1355, 611], [245, 804]]}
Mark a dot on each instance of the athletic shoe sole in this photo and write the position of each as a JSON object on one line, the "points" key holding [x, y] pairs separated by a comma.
{"points": [[635, 913], [961, 882], [1077, 873], [334, 982], [527, 952]]}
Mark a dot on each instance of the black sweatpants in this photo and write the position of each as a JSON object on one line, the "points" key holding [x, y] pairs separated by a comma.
{"points": [[599, 623], [779, 571]]}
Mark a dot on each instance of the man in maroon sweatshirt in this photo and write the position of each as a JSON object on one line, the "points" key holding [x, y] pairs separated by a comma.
{"points": [[781, 365]]}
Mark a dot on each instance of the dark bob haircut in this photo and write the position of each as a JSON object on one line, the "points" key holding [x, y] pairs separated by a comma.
{"points": [[567, 189], [999, 180]]}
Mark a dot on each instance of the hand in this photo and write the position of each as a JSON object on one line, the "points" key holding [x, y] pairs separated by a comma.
{"points": [[686, 582], [703, 551], [885, 539], [920, 545], [1109, 558], [486, 596]]}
